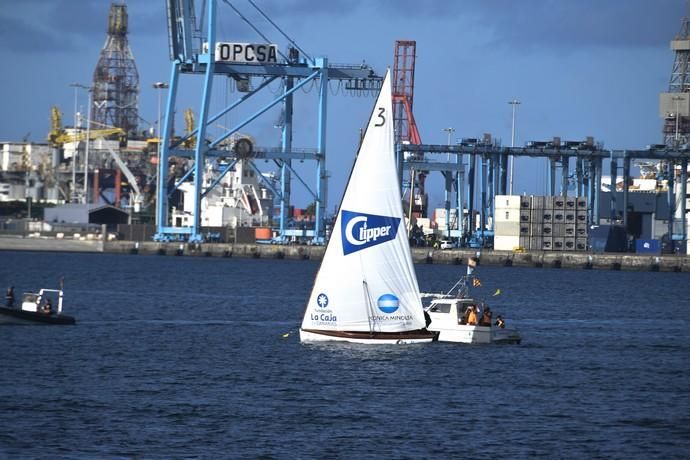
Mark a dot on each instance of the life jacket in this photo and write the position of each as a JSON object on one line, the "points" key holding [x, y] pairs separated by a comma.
{"points": [[472, 318]]}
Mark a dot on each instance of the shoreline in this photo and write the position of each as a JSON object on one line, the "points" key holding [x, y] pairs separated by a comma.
{"points": [[538, 259]]}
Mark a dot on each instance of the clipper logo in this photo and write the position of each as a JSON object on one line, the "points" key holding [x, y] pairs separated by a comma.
{"points": [[388, 303], [361, 231]]}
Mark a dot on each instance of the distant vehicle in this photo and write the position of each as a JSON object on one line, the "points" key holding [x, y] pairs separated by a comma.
{"points": [[446, 244]]}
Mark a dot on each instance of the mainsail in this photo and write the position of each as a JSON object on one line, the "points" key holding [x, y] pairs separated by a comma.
{"points": [[367, 281]]}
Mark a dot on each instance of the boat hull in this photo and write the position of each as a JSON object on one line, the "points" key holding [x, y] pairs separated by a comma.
{"points": [[407, 337], [16, 316], [477, 334]]}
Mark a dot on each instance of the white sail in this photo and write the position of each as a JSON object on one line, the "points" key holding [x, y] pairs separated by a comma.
{"points": [[367, 281]]}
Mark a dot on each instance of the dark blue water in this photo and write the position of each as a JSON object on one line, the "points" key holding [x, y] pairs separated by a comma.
{"points": [[184, 357]]}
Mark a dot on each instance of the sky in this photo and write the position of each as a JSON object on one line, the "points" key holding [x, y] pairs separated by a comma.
{"points": [[579, 68]]}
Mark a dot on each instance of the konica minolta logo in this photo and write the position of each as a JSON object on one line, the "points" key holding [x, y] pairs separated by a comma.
{"points": [[361, 231], [388, 303]]}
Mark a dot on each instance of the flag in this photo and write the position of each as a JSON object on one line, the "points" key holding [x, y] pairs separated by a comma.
{"points": [[476, 282], [471, 264]]}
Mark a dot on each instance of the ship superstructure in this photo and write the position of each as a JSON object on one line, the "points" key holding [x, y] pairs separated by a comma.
{"points": [[239, 199]]}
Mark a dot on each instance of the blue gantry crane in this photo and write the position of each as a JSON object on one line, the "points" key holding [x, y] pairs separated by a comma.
{"points": [[588, 158], [197, 52]]}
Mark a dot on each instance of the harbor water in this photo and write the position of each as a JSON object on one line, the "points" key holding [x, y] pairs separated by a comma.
{"points": [[187, 357]]}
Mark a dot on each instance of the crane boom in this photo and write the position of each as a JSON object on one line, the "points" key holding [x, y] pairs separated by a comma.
{"points": [[84, 135], [138, 197]]}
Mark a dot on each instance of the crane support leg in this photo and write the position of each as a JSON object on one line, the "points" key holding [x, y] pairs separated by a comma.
{"points": [[321, 176], [201, 147], [161, 191]]}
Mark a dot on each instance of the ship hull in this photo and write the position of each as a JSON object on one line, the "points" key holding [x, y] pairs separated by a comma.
{"points": [[406, 337]]}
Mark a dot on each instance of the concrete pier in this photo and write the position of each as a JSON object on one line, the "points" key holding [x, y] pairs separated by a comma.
{"points": [[552, 259], [538, 259]]}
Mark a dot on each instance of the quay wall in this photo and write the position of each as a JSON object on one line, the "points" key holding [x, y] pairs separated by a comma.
{"points": [[539, 259]]}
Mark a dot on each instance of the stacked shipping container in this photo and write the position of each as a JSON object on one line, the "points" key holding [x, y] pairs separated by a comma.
{"points": [[507, 223], [439, 217], [541, 223]]}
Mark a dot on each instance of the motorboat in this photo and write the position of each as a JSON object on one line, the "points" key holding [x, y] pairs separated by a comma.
{"points": [[448, 316], [37, 308]]}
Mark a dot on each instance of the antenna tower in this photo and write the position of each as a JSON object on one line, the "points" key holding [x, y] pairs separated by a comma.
{"points": [[675, 104], [115, 95]]}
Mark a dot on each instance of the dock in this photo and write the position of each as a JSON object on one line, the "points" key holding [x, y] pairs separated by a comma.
{"points": [[534, 259]]}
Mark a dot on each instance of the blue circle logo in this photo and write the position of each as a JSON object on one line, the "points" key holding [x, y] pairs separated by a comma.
{"points": [[322, 300], [388, 303]]}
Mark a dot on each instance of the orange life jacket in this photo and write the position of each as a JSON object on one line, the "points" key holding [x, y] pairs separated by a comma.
{"points": [[472, 318]]}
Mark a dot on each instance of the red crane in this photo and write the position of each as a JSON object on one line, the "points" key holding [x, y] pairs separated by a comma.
{"points": [[405, 125]]}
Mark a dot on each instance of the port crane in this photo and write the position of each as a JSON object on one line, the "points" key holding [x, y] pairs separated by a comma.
{"points": [[58, 137], [421, 162], [88, 135], [252, 67]]}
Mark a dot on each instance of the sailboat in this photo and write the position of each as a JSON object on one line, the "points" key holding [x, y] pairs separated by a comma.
{"points": [[366, 289]]}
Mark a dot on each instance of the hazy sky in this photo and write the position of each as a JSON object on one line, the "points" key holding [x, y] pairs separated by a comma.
{"points": [[579, 67]]}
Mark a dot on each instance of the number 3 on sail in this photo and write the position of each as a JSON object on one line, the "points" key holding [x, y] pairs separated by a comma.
{"points": [[366, 289], [381, 117]]}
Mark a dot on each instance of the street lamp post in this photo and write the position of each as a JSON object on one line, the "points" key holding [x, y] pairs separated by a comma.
{"points": [[76, 87], [86, 150], [73, 197], [159, 85], [450, 132], [514, 103]]}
